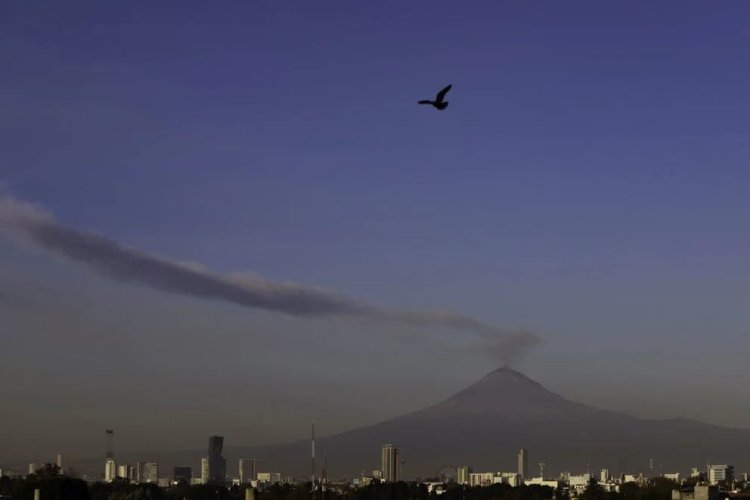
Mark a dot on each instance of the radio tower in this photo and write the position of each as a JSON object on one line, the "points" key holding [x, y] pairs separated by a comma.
{"points": [[312, 443], [324, 475]]}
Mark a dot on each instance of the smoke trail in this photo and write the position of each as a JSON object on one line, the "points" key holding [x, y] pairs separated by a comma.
{"points": [[106, 257]]}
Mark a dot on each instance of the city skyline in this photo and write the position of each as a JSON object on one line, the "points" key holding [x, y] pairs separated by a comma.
{"points": [[148, 472], [507, 394]]}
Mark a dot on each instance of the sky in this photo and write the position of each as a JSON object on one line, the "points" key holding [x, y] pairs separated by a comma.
{"points": [[586, 188]]}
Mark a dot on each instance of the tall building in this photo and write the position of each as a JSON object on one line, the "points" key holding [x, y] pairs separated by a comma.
{"points": [[182, 474], [59, 461], [719, 473], [523, 463], [151, 472], [32, 468], [110, 470], [217, 466], [390, 463], [204, 470], [247, 470], [462, 474], [604, 476]]}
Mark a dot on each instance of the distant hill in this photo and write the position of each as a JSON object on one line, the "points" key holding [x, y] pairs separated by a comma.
{"points": [[485, 425]]}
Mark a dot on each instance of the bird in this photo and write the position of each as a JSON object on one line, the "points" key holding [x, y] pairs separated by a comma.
{"points": [[438, 103]]}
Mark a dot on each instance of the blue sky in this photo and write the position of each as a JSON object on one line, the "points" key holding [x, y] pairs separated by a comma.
{"points": [[588, 181]]}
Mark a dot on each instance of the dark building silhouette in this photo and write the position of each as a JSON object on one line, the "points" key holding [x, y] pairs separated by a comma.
{"points": [[217, 466], [182, 474]]}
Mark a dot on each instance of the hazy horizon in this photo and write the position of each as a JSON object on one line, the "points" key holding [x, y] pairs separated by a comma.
{"points": [[235, 220]]}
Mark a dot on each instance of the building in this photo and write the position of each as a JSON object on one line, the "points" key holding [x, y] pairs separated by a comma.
{"points": [[247, 470], [59, 461], [32, 468], [720, 473], [580, 482], [523, 463], [182, 474], [672, 476], [481, 478], [509, 478], [696, 473], [122, 471], [110, 470], [604, 476], [540, 481], [204, 470], [697, 493], [217, 466], [462, 474], [390, 463], [269, 477], [151, 473]]}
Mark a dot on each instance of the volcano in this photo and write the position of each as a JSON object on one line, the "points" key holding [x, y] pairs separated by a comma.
{"points": [[484, 426]]}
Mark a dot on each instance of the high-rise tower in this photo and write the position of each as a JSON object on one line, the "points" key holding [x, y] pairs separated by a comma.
{"points": [[523, 463], [217, 466], [390, 463]]}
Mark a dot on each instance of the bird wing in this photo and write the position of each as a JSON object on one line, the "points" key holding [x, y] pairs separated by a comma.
{"points": [[425, 102], [441, 94]]}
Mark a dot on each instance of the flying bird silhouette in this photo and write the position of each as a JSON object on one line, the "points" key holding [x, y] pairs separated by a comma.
{"points": [[438, 103]]}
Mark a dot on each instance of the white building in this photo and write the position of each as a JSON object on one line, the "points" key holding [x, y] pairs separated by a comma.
{"points": [[204, 470], [122, 471], [673, 476], [604, 476], [110, 470], [540, 481], [579, 482]]}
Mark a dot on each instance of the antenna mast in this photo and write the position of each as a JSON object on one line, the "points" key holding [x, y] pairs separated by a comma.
{"points": [[312, 443]]}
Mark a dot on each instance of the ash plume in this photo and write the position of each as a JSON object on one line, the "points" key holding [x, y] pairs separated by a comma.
{"points": [[31, 225]]}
